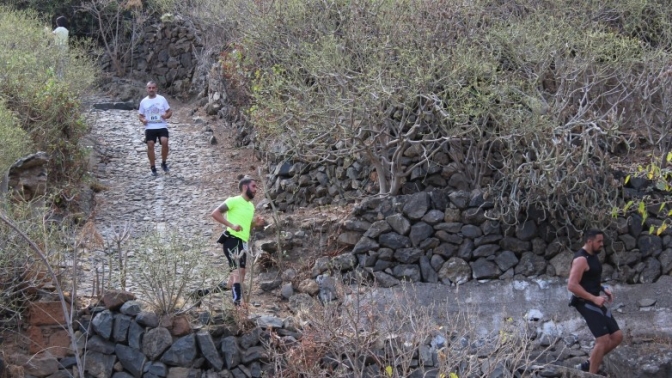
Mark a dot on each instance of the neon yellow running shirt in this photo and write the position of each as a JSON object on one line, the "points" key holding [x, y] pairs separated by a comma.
{"points": [[241, 213]]}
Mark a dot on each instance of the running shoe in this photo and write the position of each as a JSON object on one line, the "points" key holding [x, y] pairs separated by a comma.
{"points": [[164, 166], [221, 287], [584, 366], [200, 293]]}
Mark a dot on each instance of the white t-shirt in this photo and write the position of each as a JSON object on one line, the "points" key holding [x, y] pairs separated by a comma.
{"points": [[152, 109], [61, 36]]}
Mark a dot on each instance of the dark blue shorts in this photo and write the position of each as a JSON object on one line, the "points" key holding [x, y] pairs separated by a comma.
{"points": [[235, 251], [154, 134], [599, 319]]}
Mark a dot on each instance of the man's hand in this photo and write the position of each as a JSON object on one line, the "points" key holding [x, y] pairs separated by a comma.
{"points": [[237, 228], [610, 295], [143, 120], [599, 301]]}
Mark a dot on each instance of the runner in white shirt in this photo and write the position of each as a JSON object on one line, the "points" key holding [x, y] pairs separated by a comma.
{"points": [[153, 113]]}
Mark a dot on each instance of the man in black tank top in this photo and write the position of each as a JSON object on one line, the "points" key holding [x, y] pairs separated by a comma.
{"points": [[585, 279]]}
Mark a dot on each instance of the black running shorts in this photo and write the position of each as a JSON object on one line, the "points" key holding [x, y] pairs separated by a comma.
{"points": [[154, 134], [599, 320], [235, 251]]}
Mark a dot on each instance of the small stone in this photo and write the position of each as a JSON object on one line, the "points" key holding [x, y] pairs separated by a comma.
{"points": [[309, 287], [269, 285], [181, 326], [646, 302], [287, 290]]}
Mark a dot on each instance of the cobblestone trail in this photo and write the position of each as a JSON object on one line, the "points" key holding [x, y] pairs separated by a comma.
{"points": [[180, 201]]}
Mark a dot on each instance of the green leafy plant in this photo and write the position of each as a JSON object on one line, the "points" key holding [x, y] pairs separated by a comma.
{"points": [[660, 177], [15, 140]]}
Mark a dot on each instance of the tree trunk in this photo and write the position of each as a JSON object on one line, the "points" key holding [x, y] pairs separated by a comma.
{"points": [[395, 184], [380, 171]]}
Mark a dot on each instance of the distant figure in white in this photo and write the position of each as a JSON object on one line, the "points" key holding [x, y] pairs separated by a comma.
{"points": [[61, 33], [61, 41]]}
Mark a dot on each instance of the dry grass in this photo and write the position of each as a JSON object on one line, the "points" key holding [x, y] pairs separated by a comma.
{"points": [[362, 337]]}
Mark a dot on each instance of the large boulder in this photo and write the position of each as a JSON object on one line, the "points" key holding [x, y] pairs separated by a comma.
{"points": [[420, 232], [99, 365], [27, 177], [103, 323], [37, 366], [182, 352], [230, 352], [483, 269], [562, 262], [530, 265], [416, 206], [626, 361], [455, 270], [385, 280], [155, 342], [131, 360]]}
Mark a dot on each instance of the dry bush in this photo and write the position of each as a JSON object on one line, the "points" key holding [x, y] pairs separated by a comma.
{"points": [[22, 276], [118, 28], [166, 266], [38, 255], [537, 101], [366, 337]]}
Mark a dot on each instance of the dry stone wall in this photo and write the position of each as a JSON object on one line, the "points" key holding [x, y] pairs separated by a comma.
{"points": [[295, 184], [446, 236], [166, 52], [117, 339]]}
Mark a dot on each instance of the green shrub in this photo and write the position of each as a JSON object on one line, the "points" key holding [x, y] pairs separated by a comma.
{"points": [[14, 139], [42, 86]]}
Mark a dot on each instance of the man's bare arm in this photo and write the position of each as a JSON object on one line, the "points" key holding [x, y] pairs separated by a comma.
{"points": [[218, 215]]}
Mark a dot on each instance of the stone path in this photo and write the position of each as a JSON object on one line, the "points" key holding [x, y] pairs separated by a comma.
{"points": [[201, 176]]}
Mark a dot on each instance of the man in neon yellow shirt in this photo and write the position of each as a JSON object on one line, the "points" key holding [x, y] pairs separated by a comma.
{"points": [[239, 219]]}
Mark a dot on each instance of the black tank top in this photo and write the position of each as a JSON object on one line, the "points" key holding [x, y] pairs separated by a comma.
{"points": [[591, 278]]}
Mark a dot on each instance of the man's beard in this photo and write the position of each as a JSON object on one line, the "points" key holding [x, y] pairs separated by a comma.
{"points": [[249, 193]]}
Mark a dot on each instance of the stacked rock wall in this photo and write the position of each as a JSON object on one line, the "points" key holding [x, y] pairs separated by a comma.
{"points": [[294, 185], [446, 236], [120, 340], [165, 52]]}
